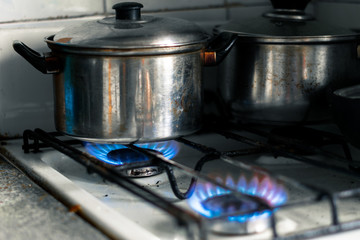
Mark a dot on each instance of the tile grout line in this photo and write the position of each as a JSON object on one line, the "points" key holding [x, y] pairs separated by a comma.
{"points": [[104, 7]]}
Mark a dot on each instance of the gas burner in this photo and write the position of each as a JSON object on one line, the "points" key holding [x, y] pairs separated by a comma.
{"points": [[229, 214], [117, 154], [127, 156], [228, 203]]}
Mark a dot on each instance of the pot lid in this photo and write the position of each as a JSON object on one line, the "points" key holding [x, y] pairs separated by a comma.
{"points": [[131, 30], [288, 22]]}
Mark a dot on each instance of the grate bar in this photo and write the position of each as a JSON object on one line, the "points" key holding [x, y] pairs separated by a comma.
{"points": [[285, 153], [184, 217]]}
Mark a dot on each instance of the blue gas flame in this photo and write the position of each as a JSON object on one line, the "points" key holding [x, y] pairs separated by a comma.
{"points": [[169, 149], [266, 188]]}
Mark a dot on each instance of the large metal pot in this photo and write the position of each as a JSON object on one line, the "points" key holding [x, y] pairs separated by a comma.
{"points": [[284, 66], [128, 78]]}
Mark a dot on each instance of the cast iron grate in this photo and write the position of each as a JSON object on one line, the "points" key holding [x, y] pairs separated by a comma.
{"points": [[277, 144]]}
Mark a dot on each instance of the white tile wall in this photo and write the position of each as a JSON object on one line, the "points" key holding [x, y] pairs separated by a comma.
{"points": [[15, 10], [203, 15], [239, 13]]}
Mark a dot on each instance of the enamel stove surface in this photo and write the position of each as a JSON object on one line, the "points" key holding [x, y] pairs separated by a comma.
{"points": [[226, 213]]}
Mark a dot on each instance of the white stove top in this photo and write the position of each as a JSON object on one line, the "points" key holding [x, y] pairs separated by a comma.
{"points": [[121, 214]]}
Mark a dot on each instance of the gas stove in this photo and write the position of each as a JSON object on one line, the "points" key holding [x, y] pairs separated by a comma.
{"points": [[234, 182]]}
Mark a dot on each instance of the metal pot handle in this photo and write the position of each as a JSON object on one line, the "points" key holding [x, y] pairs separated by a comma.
{"points": [[45, 63], [219, 47]]}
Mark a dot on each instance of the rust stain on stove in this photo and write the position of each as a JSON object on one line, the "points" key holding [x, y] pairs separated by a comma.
{"points": [[24, 186], [75, 208], [42, 197]]}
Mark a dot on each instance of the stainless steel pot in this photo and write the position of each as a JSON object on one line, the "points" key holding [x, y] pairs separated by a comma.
{"points": [[129, 78], [285, 65]]}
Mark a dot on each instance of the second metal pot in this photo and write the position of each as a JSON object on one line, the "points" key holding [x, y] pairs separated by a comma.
{"points": [[284, 67]]}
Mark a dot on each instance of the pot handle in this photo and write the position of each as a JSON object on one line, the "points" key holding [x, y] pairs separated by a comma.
{"points": [[219, 47], [45, 63]]}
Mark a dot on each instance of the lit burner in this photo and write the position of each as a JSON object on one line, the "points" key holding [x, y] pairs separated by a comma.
{"points": [[105, 152], [118, 154], [126, 155], [218, 204]]}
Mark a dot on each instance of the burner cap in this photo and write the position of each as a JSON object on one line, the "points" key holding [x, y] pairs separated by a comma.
{"points": [[223, 206], [228, 204], [143, 171], [112, 153], [128, 156]]}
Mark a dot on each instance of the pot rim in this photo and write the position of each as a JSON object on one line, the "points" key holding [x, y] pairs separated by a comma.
{"points": [[299, 40], [110, 51], [243, 37]]}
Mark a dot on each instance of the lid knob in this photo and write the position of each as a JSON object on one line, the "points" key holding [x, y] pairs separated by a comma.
{"points": [[291, 10], [290, 4], [128, 10]]}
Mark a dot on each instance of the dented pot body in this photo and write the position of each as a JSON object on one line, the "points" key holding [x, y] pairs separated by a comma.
{"points": [[115, 98], [285, 83]]}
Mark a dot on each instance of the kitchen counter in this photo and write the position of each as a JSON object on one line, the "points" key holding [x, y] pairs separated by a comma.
{"points": [[28, 212]]}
